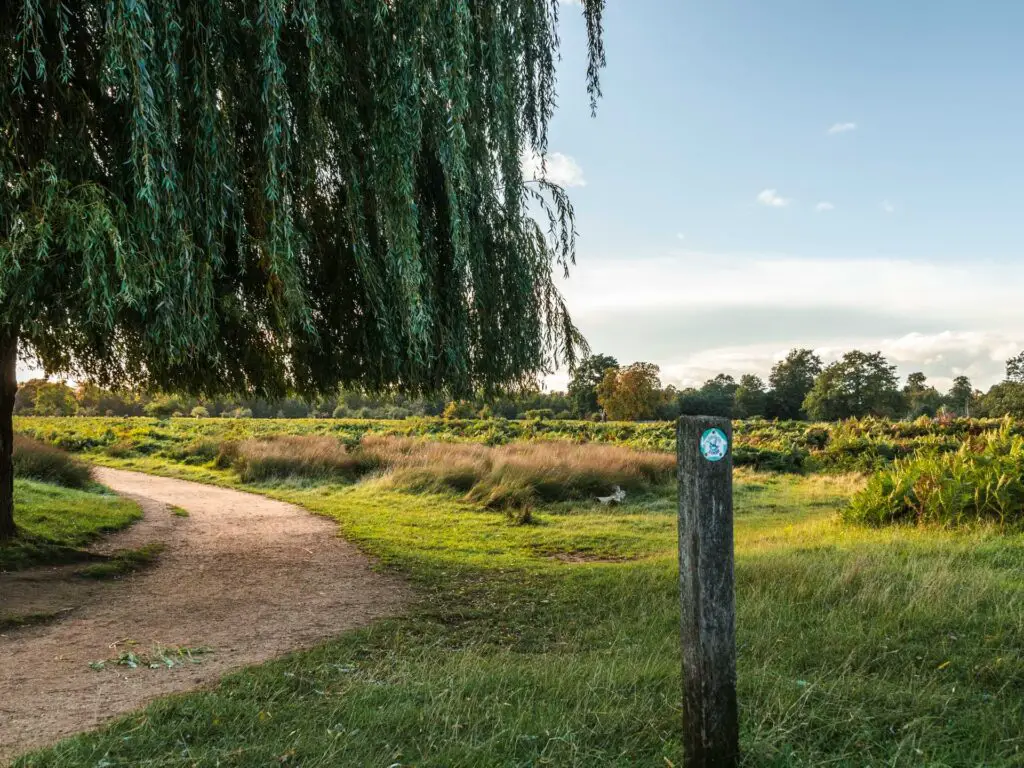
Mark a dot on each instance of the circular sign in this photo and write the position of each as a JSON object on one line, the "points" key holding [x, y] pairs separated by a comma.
{"points": [[714, 444]]}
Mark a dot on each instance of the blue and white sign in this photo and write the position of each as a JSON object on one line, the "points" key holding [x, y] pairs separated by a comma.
{"points": [[714, 445]]}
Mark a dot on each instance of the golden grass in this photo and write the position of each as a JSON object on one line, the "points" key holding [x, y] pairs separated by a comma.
{"points": [[312, 456], [516, 475]]}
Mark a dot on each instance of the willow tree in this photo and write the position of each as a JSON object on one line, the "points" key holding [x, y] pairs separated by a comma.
{"points": [[275, 195]]}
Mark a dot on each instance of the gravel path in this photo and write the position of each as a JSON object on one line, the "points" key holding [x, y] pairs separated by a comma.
{"points": [[249, 577]]}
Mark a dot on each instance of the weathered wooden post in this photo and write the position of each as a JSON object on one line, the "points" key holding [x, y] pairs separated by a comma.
{"points": [[710, 716]]}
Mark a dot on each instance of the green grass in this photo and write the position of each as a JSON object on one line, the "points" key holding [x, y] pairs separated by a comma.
{"points": [[17, 620], [179, 512], [123, 562], [55, 523], [857, 646]]}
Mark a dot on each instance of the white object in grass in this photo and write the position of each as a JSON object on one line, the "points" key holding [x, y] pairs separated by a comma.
{"points": [[616, 498]]}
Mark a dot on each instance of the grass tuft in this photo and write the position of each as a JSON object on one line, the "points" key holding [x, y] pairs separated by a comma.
{"points": [[288, 456], [47, 464], [123, 562]]}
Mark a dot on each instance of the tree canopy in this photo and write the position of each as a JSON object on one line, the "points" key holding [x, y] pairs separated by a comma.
{"points": [[860, 384], [630, 393], [283, 193], [218, 195], [791, 379], [582, 389]]}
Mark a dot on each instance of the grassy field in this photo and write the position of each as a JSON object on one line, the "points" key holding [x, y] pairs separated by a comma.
{"points": [[57, 522], [555, 642], [865, 445]]}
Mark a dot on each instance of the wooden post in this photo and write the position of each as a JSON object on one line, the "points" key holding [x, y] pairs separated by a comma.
{"points": [[710, 716]]}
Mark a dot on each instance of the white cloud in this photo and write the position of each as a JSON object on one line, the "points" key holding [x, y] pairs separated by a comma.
{"points": [[980, 355], [824, 206], [680, 236], [888, 207], [561, 169], [772, 199], [744, 280], [699, 313], [842, 128]]}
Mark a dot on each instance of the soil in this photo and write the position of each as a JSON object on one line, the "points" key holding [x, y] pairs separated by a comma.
{"points": [[245, 576]]}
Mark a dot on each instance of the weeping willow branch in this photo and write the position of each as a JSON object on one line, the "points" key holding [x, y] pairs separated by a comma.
{"points": [[265, 195]]}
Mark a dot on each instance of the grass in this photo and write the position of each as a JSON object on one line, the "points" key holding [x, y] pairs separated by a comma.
{"points": [[36, 460], [513, 477], [855, 445], [16, 621], [857, 646], [123, 562], [179, 512], [55, 523]]}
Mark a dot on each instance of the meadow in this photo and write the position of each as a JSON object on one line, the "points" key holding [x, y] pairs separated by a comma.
{"points": [[552, 638], [789, 446]]}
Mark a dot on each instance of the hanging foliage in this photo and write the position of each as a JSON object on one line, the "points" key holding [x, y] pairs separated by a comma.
{"points": [[271, 194]]}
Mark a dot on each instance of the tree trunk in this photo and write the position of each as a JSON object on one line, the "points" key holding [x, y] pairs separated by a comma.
{"points": [[8, 389]]}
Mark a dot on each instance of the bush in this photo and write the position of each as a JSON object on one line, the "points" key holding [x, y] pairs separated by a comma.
{"points": [[540, 414], [199, 412], [816, 437], [48, 464], [982, 482], [197, 452]]}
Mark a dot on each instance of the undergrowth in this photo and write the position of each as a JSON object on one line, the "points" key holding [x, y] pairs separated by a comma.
{"points": [[981, 483], [36, 460]]}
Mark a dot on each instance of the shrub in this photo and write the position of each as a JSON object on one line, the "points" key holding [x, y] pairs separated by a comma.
{"points": [[199, 412], [540, 414], [197, 452], [981, 482], [48, 464], [789, 459], [162, 407], [816, 437]]}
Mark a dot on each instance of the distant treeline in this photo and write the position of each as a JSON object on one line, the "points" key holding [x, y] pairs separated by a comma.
{"points": [[799, 387]]}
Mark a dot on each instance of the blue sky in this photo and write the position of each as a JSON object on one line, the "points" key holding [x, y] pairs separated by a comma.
{"points": [[762, 175]]}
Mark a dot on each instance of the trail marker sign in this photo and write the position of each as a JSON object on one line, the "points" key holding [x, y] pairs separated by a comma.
{"points": [[707, 593]]}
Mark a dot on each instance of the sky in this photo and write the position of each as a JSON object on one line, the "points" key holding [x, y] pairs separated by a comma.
{"points": [[766, 175]]}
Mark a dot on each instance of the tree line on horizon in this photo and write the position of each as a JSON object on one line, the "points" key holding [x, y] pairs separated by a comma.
{"points": [[799, 387]]}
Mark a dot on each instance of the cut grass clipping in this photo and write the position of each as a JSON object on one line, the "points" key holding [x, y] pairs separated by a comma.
{"points": [[123, 562], [981, 483]]}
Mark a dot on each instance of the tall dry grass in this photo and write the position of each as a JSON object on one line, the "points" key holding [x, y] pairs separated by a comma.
{"points": [[285, 456], [508, 476], [38, 461]]}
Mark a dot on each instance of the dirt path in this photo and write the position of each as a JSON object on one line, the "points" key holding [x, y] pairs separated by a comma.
{"points": [[249, 577]]}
